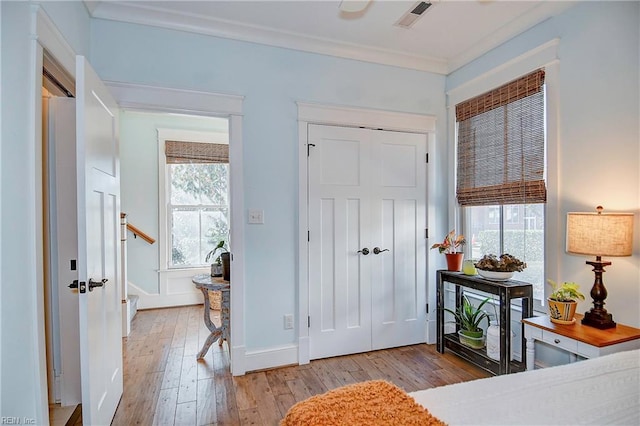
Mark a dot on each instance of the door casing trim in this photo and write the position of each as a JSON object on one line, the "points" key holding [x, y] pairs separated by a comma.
{"points": [[336, 115]]}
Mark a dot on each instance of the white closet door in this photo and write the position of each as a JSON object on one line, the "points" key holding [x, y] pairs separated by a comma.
{"points": [[398, 221], [340, 291], [367, 189]]}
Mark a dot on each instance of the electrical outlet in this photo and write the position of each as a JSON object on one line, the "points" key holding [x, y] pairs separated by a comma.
{"points": [[288, 322]]}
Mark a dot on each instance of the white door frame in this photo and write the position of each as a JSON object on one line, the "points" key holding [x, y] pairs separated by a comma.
{"points": [[45, 35], [161, 99], [309, 113]]}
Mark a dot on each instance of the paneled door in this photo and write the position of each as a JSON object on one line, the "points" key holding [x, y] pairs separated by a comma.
{"points": [[367, 256], [98, 200]]}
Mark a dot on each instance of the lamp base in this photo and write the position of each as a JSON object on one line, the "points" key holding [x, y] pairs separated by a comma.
{"points": [[598, 316], [598, 320]]}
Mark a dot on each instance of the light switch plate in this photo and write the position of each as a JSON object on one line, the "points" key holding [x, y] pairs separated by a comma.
{"points": [[256, 216]]}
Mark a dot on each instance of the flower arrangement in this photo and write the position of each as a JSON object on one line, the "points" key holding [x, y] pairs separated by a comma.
{"points": [[567, 292], [505, 263], [450, 243]]}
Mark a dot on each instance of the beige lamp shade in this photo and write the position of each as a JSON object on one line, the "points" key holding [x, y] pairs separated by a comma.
{"points": [[600, 234]]}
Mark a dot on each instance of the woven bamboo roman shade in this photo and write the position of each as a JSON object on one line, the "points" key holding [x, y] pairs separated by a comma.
{"points": [[196, 152], [501, 152]]}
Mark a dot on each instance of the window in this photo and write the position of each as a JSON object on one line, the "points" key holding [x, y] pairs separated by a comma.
{"points": [[197, 209], [500, 181], [520, 239]]}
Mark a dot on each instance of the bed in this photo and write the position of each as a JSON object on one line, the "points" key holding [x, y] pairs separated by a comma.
{"points": [[598, 391]]}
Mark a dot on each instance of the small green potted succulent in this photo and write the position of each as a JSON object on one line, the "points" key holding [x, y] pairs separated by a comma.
{"points": [[469, 319], [563, 302]]}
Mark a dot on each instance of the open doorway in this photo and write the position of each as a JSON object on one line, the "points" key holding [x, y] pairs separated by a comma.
{"points": [[60, 242], [175, 186], [80, 183]]}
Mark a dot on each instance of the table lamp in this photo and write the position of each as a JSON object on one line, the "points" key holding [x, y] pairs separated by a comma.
{"points": [[599, 234]]}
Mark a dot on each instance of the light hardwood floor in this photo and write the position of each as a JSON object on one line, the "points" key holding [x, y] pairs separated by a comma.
{"points": [[164, 384]]}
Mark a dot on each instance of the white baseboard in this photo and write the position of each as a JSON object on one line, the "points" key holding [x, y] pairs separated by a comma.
{"points": [[432, 332], [151, 301], [126, 318], [237, 360], [270, 358]]}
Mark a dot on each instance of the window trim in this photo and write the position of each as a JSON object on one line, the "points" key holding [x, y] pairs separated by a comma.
{"points": [[164, 222], [543, 56]]}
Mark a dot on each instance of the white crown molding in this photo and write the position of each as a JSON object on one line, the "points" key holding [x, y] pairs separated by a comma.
{"points": [[527, 20], [147, 15]]}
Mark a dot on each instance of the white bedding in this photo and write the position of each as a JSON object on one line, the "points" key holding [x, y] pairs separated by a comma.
{"points": [[597, 391]]}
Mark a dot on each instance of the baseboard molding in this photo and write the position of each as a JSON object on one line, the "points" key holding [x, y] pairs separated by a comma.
{"points": [[432, 332], [151, 301], [237, 360], [271, 358]]}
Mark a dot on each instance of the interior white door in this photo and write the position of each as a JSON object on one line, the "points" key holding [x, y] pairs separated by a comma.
{"points": [[367, 190], [339, 276], [398, 222], [98, 201]]}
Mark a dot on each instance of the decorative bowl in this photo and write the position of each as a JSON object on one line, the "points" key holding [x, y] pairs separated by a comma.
{"points": [[495, 275]]}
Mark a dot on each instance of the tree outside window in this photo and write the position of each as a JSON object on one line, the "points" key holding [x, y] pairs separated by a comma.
{"points": [[198, 211]]}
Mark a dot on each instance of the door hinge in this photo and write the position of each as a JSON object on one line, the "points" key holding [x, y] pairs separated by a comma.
{"points": [[309, 322], [427, 308], [427, 157], [309, 145], [308, 236], [426, 232]]}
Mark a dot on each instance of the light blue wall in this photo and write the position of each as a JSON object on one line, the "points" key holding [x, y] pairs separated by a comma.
{"points": [[272, 80], [20, 384], [599, 141], [139, 189]]}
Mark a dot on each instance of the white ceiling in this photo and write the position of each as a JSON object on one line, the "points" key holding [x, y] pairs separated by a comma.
{"points": [[448, 35]]}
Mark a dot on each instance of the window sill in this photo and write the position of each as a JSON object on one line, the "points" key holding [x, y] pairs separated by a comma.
{"points": [[191, 271]]}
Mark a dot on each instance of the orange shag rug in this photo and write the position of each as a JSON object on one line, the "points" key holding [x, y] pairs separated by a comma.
{"points": [[375, 402]]}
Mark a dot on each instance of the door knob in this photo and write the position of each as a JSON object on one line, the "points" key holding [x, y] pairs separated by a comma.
{"points": [[93, 283], [364, 251], [376, 250]]}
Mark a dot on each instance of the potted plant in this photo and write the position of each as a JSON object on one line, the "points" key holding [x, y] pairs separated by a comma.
{"points": [[216, 259], [468, 318], [563, 302], [499, 268], [449, 247]]}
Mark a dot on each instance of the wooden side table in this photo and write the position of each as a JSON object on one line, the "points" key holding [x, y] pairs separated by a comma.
{"points": [[207, 283], [578, 339], [506, 291]]}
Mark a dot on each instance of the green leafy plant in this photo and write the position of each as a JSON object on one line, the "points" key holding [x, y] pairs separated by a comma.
{"points": [[213, 254], [450, 243], [565, 292], [469, 317]]}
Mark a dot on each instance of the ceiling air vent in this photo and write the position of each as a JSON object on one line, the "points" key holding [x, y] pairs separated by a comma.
{"points": [[410, 17]]}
